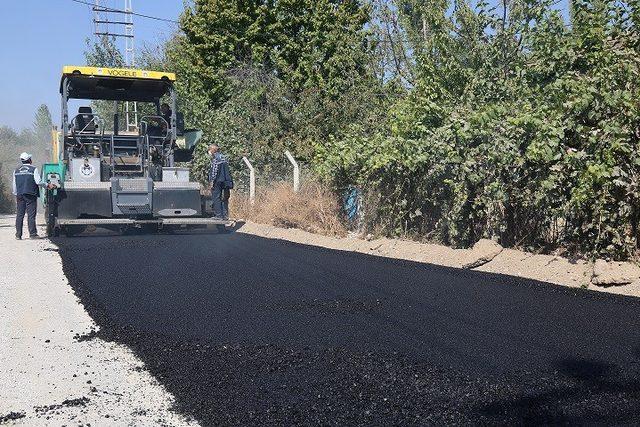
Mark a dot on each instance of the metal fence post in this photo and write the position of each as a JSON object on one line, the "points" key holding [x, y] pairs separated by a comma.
{"points": [[296, 171], [252, 180]]}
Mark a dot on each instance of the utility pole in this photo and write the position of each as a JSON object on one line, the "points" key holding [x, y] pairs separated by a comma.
{"points": [[130, 53], [103, 18], [130, 61]]}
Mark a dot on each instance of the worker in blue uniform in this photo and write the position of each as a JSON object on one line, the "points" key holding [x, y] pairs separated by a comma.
{"points": [[26, 188], [221, 183]]}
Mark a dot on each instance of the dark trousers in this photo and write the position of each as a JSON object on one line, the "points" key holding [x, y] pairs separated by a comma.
{"points": [[220, 206], [28, 204]]}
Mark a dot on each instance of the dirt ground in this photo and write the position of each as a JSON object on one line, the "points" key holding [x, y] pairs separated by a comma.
{"points": [[49, 374], [486, 255]]}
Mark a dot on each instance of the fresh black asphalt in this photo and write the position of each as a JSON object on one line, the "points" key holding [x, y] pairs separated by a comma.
{"points": [[251, 331]]}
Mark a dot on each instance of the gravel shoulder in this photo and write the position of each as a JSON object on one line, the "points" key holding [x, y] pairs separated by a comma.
{"points": [[50, 374]]}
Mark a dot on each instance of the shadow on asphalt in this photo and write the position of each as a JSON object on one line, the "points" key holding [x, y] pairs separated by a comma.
{"points": [[244, 330], [583, 392]]}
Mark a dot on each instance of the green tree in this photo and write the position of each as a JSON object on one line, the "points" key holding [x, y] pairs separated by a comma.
{"points": [[103, 53], [260, 76], [304, 43], [35, 140], [458, 119], [518, 127], [6, 202], [42, 125]]}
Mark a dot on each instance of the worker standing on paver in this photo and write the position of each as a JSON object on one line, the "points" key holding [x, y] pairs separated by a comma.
{"points": [[26, 188], [221, 183], [165, 110]]}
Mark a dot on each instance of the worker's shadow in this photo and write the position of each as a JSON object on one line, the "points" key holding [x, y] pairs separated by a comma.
{"points": [[581, 391]]}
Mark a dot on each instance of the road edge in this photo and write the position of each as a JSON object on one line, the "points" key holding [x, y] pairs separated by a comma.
{"points": [[620, 278]]}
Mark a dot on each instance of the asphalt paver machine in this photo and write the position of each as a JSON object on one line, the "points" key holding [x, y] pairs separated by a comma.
{"points": [[121, 178]]}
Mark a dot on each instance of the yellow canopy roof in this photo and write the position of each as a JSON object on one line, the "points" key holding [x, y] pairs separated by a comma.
{"points": [[128, 73], [115, 84]]}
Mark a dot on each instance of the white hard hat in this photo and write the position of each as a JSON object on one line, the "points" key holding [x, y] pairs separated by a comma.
{"points": [[25, 156]]}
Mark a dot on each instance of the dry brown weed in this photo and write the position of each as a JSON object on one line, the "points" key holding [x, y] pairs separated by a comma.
{"points": [[314, 208]]}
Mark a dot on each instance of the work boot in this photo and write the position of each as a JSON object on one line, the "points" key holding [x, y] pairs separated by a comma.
{"points": [[18, 237]]}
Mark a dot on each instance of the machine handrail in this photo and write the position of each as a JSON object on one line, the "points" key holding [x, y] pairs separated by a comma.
{"points": [[96, 119], [158, 142], [146, 123]]}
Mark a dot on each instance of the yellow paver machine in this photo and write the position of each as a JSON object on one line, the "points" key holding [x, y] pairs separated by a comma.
{"points": [[125, 178]]}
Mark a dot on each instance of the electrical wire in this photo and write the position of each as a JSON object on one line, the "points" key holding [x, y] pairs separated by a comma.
{"points": [[109, 9]]}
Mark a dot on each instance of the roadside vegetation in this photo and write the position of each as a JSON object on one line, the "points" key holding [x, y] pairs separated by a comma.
{"points": [[5, 200], [457, 120], [35, 140], [314, 208]]}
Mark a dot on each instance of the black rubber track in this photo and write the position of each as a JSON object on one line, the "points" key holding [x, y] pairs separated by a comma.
{"points": [[245, 330]]}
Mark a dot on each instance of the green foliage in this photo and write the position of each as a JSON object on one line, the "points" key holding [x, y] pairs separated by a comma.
{"points": [[6, 201], [42, 125], [305, 43], [261, 77], [35, 140], [460, 120], [518, 128], [103, 53]]}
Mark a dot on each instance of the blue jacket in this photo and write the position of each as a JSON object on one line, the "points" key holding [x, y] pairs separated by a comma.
{"points": [[224, 176], [219, 173], [26, 180]]}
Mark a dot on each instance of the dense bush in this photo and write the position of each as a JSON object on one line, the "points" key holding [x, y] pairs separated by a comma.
{"points": [[524, 129], [458, 120]]}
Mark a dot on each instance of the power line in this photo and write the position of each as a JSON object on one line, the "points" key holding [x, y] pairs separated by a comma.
{"points": [[112, 10], [114, 35]]}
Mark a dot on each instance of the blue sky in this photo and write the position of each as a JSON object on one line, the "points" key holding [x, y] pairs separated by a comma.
{"points": [[38, 37]]}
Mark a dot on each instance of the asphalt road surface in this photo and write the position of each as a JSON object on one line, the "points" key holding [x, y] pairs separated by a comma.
{"points": [[245, 330]]}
